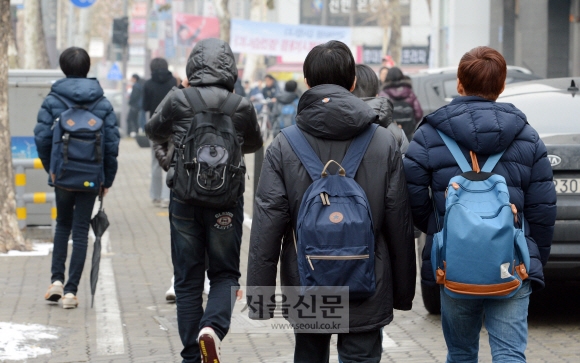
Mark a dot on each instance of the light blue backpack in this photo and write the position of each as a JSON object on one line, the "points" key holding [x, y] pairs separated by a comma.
{"points": [[479, 253]]}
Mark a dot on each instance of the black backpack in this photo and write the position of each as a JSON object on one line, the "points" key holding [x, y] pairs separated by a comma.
{"points": [[404, 115], [209, 167]]}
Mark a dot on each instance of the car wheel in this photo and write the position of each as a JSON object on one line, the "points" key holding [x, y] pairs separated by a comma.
{"points": [[431, 298], [431, 294]]}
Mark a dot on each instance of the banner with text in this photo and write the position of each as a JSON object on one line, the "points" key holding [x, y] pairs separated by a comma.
{"points": [[281, 39]]}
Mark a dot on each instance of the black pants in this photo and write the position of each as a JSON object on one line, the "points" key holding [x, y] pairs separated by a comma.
{"points": [[352, 347], [73, 214], [198, 234]]}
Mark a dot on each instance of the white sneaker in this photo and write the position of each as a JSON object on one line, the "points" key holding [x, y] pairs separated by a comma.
{"points": [[70, 301], [54, 292], [209, 345], [170, 294], [206, 284]]}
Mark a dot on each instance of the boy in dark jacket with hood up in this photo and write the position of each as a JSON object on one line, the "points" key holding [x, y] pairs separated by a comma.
{"points": [[74, 208], [330, 116], [195, 231], [477, 123]]}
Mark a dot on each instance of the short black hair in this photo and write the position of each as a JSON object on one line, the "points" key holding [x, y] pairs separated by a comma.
{"points": [[290, 86], [367, 82], [136, 76], [75, 61], [330, 63], [395, 74], [158, 64]]}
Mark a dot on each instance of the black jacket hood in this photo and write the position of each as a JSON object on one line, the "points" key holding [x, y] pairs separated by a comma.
{"points": [[286, 98], [161, 76], [331, 112], [212, 63]]}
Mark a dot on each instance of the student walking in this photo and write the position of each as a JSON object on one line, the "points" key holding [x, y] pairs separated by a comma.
{"points": [[81, 161], [206, 223], [331, 119], [482, 128]]}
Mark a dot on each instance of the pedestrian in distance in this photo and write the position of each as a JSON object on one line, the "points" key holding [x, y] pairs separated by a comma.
{"points": [[285, 108], [330, 121], [483, 129], [367, 88], [207, 208], [154, 90], [78, 142], [407, 111], [135, 105]]}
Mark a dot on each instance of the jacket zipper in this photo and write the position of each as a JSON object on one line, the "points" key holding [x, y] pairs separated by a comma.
{"points": [[322, 257]]}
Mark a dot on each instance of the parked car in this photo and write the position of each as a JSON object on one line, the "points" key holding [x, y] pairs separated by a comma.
{"points": [[116, 98], [552, 107], [437, 87]]}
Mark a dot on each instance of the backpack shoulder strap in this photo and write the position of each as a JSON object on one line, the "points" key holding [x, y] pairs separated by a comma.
{"points": [[94, 104], [304, 151], [491, 162], [231, 104], [195, 100], [357, 149], [456, 152], [63, 99]]}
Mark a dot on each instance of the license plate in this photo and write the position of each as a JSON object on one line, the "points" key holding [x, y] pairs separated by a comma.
{"points": [[567, 185]]}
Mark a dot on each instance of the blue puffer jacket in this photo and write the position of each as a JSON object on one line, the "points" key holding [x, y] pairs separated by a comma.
{"points": [[485, 127], [81, 90]]}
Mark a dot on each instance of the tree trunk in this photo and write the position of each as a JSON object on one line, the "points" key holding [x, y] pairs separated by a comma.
{"points": [[395, 43], [13, 59], [35, 56], [10, 235], [223, 12], [255, 62]]}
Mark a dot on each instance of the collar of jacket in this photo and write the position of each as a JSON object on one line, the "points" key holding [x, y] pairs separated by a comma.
{"points": [[331, 112], [466, 99]]}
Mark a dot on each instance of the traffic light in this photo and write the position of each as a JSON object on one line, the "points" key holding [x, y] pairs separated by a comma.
{"points": [[121, 31]]}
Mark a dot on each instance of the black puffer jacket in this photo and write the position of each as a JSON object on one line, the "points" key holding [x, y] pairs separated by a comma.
{"points": [[161, 82], [384, 108], [211, 68], [329, 128]]}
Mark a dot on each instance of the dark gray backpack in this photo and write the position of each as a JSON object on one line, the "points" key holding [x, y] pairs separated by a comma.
{"points": [[209, 167]]}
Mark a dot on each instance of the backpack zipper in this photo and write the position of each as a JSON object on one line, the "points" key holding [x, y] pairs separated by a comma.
{"points": [[323, 257]]}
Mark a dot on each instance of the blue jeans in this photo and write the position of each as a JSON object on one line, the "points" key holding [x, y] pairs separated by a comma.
{"points": [[506, 321], [196, 231], [74, 211]]}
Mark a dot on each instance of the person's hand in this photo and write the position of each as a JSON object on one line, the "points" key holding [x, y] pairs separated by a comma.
{"points": [[273, 99], [104, 191], [185, 83]]}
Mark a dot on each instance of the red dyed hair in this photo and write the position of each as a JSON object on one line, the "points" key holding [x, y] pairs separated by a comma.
{"points": [[482, 72]]}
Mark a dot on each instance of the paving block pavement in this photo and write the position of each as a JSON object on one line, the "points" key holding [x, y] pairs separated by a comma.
{"points": [[132, 322]]}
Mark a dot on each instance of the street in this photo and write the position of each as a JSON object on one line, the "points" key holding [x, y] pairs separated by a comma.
{"points": [[131, 321]]}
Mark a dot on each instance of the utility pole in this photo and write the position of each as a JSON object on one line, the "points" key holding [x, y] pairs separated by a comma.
{"points": [[124, 70]]}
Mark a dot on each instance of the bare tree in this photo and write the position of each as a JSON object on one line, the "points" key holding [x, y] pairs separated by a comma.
{"points": [[10, 235], [223, 12], [35, 55], [387, 14]]}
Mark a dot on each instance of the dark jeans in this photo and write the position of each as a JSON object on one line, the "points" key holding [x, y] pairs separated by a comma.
{"points": [[196, 231], [74, 211], [133, 120], [352, 347]]}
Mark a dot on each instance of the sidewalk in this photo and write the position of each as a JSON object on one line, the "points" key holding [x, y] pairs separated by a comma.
{"points": [[131, 322]]}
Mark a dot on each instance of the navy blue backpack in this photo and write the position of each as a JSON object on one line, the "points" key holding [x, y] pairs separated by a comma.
{"points": [[78, 142], [479, 253], [335, 241]]}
